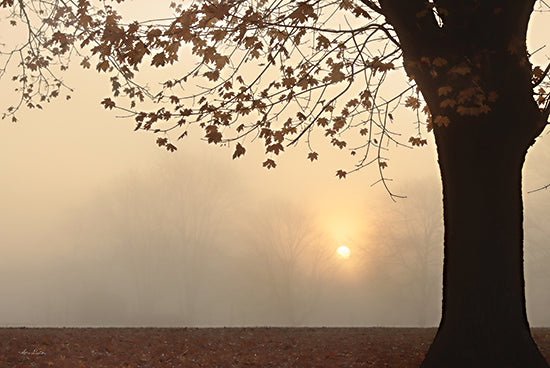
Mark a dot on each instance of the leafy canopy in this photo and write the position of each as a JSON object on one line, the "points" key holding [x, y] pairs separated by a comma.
{"points": [[277, 71]]}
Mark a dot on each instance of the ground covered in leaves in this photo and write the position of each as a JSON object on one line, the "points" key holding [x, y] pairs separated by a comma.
{"points": [[220, 347]]}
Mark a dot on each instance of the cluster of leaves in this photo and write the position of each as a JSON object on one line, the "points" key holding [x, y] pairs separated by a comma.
{"points": [[275, 71], [267, 70], [43, 53], [461, 93]]}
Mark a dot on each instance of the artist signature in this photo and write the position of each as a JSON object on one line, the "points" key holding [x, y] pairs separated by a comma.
{"points": [[33, 352]]}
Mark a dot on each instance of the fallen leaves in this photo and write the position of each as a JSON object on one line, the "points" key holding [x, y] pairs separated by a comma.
{"points": [[221, 347]]}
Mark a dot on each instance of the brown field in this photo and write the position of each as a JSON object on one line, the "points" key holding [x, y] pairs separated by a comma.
{"points": [[220, 347]]}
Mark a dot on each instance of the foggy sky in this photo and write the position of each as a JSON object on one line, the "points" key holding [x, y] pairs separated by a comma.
{"points": [[100, 227]]}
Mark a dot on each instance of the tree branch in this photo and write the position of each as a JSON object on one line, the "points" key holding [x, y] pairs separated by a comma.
{"points": [[544, 74], [373, 6]]}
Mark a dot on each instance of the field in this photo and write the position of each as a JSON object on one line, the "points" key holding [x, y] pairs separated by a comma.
{"points": [[220, 347]]}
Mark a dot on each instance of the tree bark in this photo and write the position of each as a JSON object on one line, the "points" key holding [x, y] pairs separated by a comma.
{"points": [[482, 92], [484, 322]]}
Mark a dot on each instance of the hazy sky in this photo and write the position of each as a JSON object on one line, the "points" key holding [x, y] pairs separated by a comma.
{"points": [[66, 168]]}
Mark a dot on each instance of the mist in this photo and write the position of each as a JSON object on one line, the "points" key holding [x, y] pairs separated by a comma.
{"points": [[191, 242], [99, 227]]}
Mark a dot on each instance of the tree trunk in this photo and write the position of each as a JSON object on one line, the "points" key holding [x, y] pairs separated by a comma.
{"points": [[472, 66], [484, 322]]}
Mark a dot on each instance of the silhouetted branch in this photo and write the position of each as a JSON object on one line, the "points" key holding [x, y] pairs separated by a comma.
{"points": [[539, 189]]}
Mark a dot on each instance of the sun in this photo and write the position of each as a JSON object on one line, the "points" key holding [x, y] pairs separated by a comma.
{"points": [[343, 251]]}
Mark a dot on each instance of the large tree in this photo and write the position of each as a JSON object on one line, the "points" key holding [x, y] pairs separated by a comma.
{"points": [[282, 72]]}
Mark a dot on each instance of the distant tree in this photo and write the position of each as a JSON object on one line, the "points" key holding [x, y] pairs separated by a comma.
{"points": [[291, 251], [166, 229], [284, 71], [402, 246]]}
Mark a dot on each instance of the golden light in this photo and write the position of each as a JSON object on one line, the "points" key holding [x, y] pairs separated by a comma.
{"points": [[343, 251]]}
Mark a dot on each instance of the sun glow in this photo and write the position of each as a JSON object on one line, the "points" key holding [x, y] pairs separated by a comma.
{"points": [[343, 251]]}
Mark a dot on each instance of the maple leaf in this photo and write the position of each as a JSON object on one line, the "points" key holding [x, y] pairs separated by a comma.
{"points": [[218, 34], [441, 120], [322, 42], [336, 75], [212, 134], [103, 66], [212, 75], [462, 69], [170, 147], [269, 163], [360, 12], [159, 59], [341, 174], [312, 156], [339, 144], [484, 109], [339, 123], [85, 63], [444, 91], [448, 102], [323, 122], [515, 45], [493, 96], [439, 62], [108, 103], [276, 148], [412, 102], [162, 141], [303, 12], [239, 151], [417, 141]]}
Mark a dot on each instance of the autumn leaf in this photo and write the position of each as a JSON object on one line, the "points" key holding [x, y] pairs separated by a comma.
{"points": [[444, 91], [412, 102], [515, 45], [312, 156], [212, 134], [218, 34], [212, 75], [441, 121], [417, 141], [239, 151], [303, 12], [493, 96], [341, 174], [159, 59], [85, 63], [439, 62], [323, 122], [108, 103], [276, 148], [336, 75], [269, 164], [162, 141], [448, 102], [462, 69], [484, 109], [322, 42], [338, 143]]}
